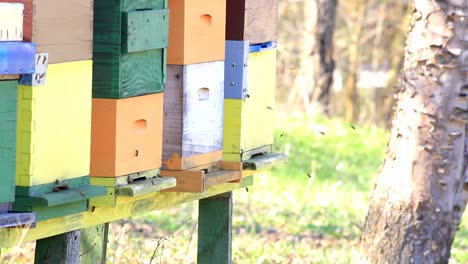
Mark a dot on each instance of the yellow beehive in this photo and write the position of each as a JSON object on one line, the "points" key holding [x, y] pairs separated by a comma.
{"points": [[249, 123], [54, 126]]}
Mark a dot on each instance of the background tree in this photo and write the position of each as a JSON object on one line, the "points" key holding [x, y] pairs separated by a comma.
{"points": [[422, 189]]}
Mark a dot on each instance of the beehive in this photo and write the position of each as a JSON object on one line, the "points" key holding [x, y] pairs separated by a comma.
{"points": [[193, 115], [255, 21], [249, 122], [130, 38], [8, 97], [197, 31], [126, 135]]}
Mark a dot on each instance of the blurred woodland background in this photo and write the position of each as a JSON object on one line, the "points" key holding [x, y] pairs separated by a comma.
{"points": [[343, 61]]}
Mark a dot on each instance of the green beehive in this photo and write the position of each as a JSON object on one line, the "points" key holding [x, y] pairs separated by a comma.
{"points": [[130, 41], [8, 95]]}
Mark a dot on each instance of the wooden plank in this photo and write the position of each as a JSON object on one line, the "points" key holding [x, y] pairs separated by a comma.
{"points": [[126, 135], [11, 21], [50, 212], [215, 230], [9, 77], [146, 186], [199, 181], [197, 31], [175, 162], [221, 176], [252, 20], [262, 162], [93, 248], [54, 125], [63, 29], [63, 248], [124, 180], [99, 215], [8, 97], [41, 189], [17, 219], [145, 30], [61, 197]]}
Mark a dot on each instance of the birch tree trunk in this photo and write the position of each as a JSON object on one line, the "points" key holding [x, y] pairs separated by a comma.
{"points": [[422, 189]]}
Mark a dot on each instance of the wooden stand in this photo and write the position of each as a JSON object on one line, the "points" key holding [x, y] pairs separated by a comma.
{"points": [[215, 229]]}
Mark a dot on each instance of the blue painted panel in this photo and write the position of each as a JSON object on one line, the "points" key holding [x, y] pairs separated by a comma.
{"points": [[263, 46], [40, 71], [235, 69], [17, 57]]}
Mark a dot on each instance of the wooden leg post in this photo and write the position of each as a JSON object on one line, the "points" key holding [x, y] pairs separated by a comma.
{"points": [[94, 244], [214, 229], [63, 248]]}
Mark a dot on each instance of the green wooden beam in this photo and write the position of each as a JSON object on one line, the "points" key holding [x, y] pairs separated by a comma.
{"points": [[214, 229], [63, 248], [94, 244]]}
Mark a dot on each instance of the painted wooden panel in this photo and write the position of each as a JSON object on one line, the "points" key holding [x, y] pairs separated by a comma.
{"points": [[45, 213], [39, 75], [11, 21], [128, 207], [145, 30], [126, 135], [54, 125], [236, 69], [116, 73], [197, 31], [249, 123], [17, 57], [27, 17], [8, 107], [252, 20], [63, 29], [193, 110]]}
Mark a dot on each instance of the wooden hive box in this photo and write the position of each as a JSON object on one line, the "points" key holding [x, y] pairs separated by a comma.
{"points": [[130, 40], [53, 143], [255, 21], [126, 135], [197, 31], [61, 28], [8, 105], [193, 115], [249, 122]]}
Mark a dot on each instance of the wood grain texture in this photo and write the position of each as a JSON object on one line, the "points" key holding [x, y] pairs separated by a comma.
{"points": [[144, 30], [197, 31], [199, 181], [93, 247], [215, 230], [63, 29], [27, 17], [248, 125], [117, 74], [193, 122], [54, 125], [253, 20], [193, 162], [63, 248], [128, 206], [17, 219], [8, 109], [126, 135]]}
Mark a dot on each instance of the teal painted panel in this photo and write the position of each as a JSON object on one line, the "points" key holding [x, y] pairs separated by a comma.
{"points": [[44, 213], [8, 109], [145, 30]]}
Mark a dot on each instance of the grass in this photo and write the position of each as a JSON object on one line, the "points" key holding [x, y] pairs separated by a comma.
{"points": [[307, 211]]}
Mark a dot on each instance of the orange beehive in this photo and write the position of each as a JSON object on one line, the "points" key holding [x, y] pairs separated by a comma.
{"points": [[196, 31], [126, 135]]}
